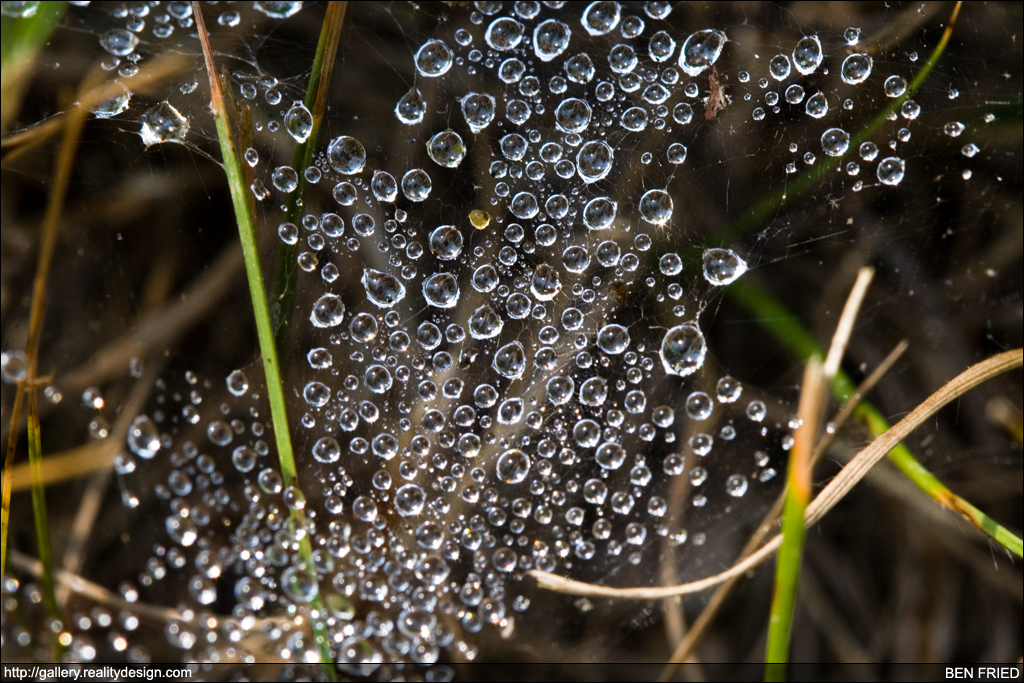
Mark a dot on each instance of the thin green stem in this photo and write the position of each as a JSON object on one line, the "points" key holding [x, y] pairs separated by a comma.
{"points": [[763, 211], [35, 459], [798, 494], [302, 158], [776, 318], [264, 328]]}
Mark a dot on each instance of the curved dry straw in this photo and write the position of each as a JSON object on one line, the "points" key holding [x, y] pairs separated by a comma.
{"points": [[854, 471]]}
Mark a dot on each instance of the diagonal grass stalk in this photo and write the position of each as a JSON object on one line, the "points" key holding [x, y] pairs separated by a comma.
{"points": [[261, 313], [302, 158], [777, 319]]}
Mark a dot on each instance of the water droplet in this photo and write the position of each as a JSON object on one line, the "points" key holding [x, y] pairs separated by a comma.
{"points": [[416, 185], [434, 58], [327, 311], [298, 122], [683, 349], [572, 115], [143, 438], [580, 69], [485, 323], [610, 455], [817, 105], [779, 67], [545, 283], [346, 155], [550, 39], [723, 266], [890, 170], [119, 42], [613, 339], [411, 107], [656, 207], [410, 500], [699, 405], [441, 290], [384, 187], [163, 123], [953, 129], [895, 86], [478, 110], [701, 50], [835, 142], [736, 485], [237, 383], [510, 360], [278, 9], [599, 213], [856, 68], [326, 450], [504, 33], [661, 46], [807, 54], [382, 289], [285, 179], [114, 105], [446, 149], [513, 466]]}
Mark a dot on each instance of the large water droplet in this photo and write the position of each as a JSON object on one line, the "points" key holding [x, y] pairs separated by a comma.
{"points": [[572, 115], [891, 170], [163, 123], [119, 41], [545, 283], [613, 339], [510, 360], [485, 323], [722, 266], [416, 185], [434, 58], [441, 290], [298, 122], [701, 50], [683, 350], [346, 155], [478, 110], [594, 161], [513, 466], [327, 311], [411, 107], [856, 68], [504, 33], [143, 438], [807, 54], [600, 18], [656, 207], [835, 142], [550, 39], [599, 213], [446, 149], [382, 289]]}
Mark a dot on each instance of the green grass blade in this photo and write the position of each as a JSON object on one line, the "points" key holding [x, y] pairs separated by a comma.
{"points": [[261, 313], [22, 38], [302, 158], [772, 315], [798, 494], [45, 550]]}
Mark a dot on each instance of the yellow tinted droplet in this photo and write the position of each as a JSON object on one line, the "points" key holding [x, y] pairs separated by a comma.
{"points": [[479, 219]]}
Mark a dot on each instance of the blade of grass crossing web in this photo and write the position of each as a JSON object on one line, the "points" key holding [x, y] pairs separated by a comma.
{"points": [[261, 313], [798, 494], [785, 326], [302, 158]]}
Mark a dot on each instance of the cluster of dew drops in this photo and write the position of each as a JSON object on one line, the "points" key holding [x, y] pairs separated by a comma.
{"points": [[474, 413]]}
